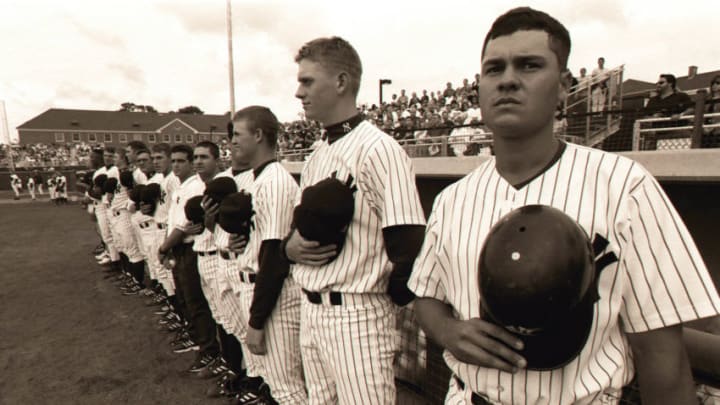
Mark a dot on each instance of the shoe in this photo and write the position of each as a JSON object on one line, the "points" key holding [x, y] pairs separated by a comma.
{"points": [[161, 311], [227, 386], [99, 249], [179, 337], [104, 261], [185, 346], [134, 290], [215, 370], [202, 363], [173, 326]]}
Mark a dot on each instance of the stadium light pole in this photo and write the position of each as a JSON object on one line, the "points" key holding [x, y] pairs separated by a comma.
{"points": [[230, 59], [383, 82]]}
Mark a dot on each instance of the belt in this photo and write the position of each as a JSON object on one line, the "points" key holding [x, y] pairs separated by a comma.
{"points": [[316, 298], [475, 399], [161, 225], [248, 278], [210, 253], [228, 255], [145, 225]]}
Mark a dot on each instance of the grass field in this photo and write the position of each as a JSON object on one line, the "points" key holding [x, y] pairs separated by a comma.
{"points": [[68, 335]]}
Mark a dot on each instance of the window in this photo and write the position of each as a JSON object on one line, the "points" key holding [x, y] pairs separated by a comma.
{"points": [[189, 138], [59, 137], [166, 138], [152, 138], [178, 138], [76, 137], [137, 137], [108, 137], [122, 138], [92, 137]]}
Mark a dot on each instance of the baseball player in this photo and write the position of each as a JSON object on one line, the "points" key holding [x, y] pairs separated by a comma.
{"points": [[271, 305], [347, 329], [101, 209], [140, 167], [180, 240], [31, 187], [168, 183], [38, 181], [52, 186], [16, 185], [60, 188], [652, 277]]}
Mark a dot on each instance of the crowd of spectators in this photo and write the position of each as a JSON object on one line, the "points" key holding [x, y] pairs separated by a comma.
{"points": [[414, 120], [44, 155]]}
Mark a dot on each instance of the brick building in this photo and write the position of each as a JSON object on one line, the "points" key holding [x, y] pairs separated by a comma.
{"points": [[63, 126]]}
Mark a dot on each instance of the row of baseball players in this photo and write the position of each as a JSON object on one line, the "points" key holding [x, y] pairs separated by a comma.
{"points": [[56, 183], [313, 303]]}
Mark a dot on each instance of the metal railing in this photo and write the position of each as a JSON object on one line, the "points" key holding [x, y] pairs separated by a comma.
{"points": [[688, 131]]}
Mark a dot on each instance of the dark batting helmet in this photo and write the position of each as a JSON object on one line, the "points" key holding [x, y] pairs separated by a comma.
{"points": [[219, 188], [235, 214], [126, 179], [537, 280], [194, 211], [325, 211], [110, 185]]}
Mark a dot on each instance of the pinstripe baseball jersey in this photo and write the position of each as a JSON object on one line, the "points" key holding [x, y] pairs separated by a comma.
{"points": [[273, 192], [139, 177], [168, 185], [205, 242], [658, 279], [156, 178], [191, 187], [386, 196], [228, 276]]}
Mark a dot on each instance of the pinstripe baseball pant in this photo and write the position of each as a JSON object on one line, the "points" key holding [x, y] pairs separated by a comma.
{"points": [[123, 234], [103, 222], [282, 364], [208, 268], [237, 318], [348, 348]]}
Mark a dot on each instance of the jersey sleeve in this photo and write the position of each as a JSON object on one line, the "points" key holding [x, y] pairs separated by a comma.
{"points": [[666, 280], [387, 179], [426, 277], [276, 201]]}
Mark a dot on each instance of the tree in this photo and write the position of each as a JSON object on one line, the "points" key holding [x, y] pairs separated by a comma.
{"points": [[191, 109], [132, 107]]}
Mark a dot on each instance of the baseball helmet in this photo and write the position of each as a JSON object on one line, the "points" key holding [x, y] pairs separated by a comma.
{"points": [[100, 180], [220, 187], [110, 185], [325, 211], [136, 193], [194, 211], [126, 179], [538, 281], [235, 213], [150, 193]]}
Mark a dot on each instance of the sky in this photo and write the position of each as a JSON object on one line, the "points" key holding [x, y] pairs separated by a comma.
{"points": [[98, 54]]}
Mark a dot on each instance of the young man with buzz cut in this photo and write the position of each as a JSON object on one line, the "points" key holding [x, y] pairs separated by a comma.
{"points": [[271, 304], [348, 333], [651, 276]]}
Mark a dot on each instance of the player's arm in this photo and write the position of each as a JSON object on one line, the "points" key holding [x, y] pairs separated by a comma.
{"points": [[402, 244], [473, 341], [271, 276], [662, 366], [300, 250]]}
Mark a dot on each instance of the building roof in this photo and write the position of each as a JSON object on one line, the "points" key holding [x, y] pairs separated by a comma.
{"points": [[684, 83], [122, 121], [632, 86]]}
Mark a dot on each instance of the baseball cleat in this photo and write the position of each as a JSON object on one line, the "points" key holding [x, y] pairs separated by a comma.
{"points": [[185, 346]]}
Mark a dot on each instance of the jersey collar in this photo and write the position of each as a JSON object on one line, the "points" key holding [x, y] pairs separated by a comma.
{"points": [[259, 169], [336, 131]]}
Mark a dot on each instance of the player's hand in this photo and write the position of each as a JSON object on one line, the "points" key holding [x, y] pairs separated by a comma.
{"points": [[301, 250], [211, 210], [484, 344], [237, 243], [194, 229], [255, 340], [146, 208]]}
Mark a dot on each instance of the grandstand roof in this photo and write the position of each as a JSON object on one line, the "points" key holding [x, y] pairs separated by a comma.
{"points": [[66, 119], [699, 81]]}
